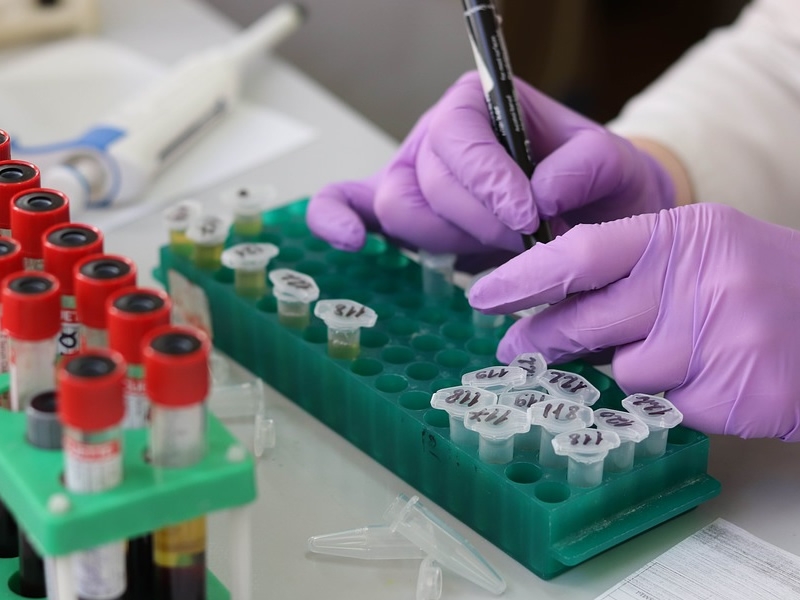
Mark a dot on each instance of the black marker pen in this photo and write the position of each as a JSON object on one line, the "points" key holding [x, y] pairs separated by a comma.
{"points": [[491, 58]]}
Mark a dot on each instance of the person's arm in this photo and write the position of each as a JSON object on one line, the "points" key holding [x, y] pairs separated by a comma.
{"points": [[724, 121]]}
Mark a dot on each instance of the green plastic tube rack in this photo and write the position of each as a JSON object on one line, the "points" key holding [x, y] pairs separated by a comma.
{"points": [[381, 402], [146, 500]]}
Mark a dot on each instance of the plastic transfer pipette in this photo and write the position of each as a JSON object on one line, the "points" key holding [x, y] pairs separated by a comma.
{"points": [[115, 161], [442, 543]]}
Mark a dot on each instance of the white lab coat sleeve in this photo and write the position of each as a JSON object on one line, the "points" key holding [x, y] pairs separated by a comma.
{"points": [[730, 111]]}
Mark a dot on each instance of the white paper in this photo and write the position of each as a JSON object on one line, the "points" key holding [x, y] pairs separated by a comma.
{"points": [[719, 562]]}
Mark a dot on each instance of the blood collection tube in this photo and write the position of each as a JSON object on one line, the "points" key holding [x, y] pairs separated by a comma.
{"points": [[177, 381], [131, 314], [5, 146], [10, 262], [43, 430], [31, 320], [63, 245], [96, 278], [91, 407], [30, 323], [15, 176], [32, 213]]}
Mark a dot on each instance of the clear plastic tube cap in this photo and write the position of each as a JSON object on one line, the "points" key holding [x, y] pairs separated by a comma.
{"points": [[534, 365], [249, 257], [497, 422], [208, 230], [569, 386], [179, 216], [656, 412], [459, 399], [495, 378], [443, 544], [585, 445], [557, 416], [626, 425], [289, 285], [345, 314], [523, 399], [250, 200]]}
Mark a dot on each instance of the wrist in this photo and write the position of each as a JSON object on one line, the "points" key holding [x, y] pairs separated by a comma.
{"points": [[671, 165]]}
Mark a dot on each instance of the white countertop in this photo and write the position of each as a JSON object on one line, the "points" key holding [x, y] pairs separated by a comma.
{"points": [[314, 481]]}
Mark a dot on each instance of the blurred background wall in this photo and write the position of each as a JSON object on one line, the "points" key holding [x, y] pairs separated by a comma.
{"points": [[391, 59]]}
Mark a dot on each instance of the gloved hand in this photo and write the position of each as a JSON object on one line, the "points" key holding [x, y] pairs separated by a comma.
{"points": [[452, 187], [700, 301]]}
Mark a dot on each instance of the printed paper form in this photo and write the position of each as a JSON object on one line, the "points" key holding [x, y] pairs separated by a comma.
{"points": [[719, 562]]}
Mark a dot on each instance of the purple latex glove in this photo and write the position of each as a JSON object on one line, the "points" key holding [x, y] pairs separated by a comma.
{"points": [[700, 301], [452, 187]]}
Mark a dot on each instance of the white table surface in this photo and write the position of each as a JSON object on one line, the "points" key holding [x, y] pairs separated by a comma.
{"points": [[314, 481]]}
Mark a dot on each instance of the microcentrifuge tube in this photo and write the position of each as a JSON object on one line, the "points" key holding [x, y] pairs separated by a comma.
{"points": [[429, 580], [631, 431], [484, 324], [373, 542], [523, 400], [660, 415], [554, 417], [294, 292], [456, 401], [585, 449], [177, 219], [496, 379], [249, 263], [569, 386], [208, 234], [534, 365], [497, 426], [264, 435], [437, 274], [344, 319], [247, 204], [442, 543]]}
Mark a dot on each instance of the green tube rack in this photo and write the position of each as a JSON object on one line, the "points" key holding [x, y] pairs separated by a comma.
{"points": [[380, 401], [147, 499]]}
